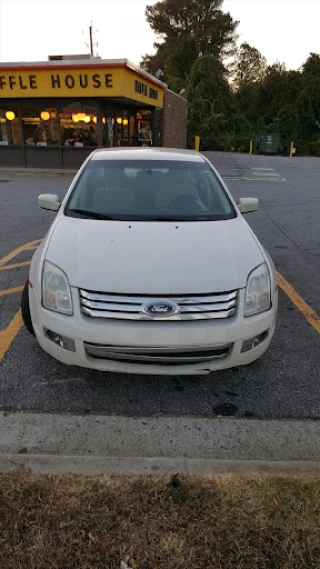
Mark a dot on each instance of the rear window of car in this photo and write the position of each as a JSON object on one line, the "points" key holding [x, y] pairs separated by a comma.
{"points": [[148, 190]]}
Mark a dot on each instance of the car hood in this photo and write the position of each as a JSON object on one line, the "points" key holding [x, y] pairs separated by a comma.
{"points": [[154, 257]]}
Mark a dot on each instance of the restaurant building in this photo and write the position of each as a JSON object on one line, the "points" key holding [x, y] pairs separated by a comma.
{"points": [[54, 113]]}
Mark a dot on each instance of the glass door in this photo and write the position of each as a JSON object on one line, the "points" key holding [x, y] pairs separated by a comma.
{"points": [[145, 134], [124, 128]]}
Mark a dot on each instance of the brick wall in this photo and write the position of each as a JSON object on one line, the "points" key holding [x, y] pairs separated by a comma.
{"points": [[174, 122]]}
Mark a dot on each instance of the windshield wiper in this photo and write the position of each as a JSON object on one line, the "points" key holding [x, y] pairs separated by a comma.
{"points": [[162, 219], [95, 215], [92, 214], [176, 220]]}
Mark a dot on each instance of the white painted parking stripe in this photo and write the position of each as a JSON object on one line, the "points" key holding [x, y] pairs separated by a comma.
{"points": [[268, 174], [264, 175], [264, 179]]}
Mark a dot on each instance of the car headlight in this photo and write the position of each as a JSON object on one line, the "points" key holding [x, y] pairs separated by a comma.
{"points": [[56, 293], [258, 291]]}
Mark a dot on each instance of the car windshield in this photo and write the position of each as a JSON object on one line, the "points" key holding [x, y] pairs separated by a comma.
{"points": [[149, 190]]}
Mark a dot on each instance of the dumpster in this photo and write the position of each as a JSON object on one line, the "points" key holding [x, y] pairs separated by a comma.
{"points": [[268, 143]]}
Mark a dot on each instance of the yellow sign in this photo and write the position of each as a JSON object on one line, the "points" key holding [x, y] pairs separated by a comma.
{"points": [[79, 82]]}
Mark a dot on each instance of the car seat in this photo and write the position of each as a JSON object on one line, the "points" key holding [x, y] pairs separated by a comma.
{"points": [[114, 201], [115, 178], [146, 186], [175, 186]]}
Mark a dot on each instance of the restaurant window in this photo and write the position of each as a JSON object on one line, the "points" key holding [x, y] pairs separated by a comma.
{"points": [[133, 137], [108, 126], [10, 133], [123, 129], [40, 126], [129, 128], [78, 126], [145, 134]]}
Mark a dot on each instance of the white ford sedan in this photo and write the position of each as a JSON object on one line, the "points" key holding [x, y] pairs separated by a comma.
{"points": [[149, 267]]}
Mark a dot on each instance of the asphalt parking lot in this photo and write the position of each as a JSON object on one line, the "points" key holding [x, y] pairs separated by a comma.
{"points": [[283, 384]]}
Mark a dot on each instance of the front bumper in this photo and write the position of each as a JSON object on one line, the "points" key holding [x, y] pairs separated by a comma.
{"points": [[185, 336]]}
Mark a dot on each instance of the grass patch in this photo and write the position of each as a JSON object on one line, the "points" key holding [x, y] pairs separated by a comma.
{"points": [[222, 522]]}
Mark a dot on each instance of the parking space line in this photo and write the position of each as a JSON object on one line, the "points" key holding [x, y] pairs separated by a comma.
{"points": [[26, 247], [15, 266], [310, 315], [246, 179], [8, 335], [260, 179], [11, 290]]}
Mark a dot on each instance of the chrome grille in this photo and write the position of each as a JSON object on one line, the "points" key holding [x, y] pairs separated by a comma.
{"points": [[131, 307], [159, 356]]}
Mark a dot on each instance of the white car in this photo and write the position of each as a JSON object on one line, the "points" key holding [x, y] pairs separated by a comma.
{"points": [[150, 268]]}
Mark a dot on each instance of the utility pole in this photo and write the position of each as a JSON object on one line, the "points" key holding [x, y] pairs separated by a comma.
{"points": [[91, 40], [91, 45]]}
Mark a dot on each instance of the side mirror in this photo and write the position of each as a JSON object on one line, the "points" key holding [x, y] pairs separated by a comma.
{"points": [[49, 201], [247, 205]]}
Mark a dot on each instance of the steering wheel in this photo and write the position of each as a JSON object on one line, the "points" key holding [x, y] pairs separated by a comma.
{"points": [[185, 198]]}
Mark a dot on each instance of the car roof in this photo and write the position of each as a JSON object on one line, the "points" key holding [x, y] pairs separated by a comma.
{"points": [[147, 154]]}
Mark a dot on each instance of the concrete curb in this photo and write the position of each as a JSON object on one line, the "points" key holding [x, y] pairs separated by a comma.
{"points": [[133, 466], [36, 172], [52, 443]]}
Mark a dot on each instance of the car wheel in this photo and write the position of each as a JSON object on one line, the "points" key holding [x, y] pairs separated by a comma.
{"points": [[25, 309]]}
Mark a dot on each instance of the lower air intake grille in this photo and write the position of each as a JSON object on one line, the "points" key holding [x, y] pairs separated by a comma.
{"points": [[159, 356]]}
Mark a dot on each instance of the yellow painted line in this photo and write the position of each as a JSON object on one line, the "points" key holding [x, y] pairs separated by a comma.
{"points": [[8, 335], [15, 266], [11, 290], [310, 315], [26, 247]]}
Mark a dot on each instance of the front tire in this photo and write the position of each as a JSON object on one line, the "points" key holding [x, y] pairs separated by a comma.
{"points": [[25, 309]]}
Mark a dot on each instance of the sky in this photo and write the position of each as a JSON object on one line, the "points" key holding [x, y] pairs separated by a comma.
{"points": [[30, 30]]}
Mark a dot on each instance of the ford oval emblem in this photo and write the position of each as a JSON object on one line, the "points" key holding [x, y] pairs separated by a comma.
{"points": [[160, 309]]}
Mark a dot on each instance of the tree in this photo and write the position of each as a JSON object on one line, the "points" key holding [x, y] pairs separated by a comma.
{"points": [[268, 100], [196, 42], [287, 122], [178, 63], [249, 66], [308, 123], [203, 20], [189, 29], [174, 59], [152, 63], [211, 105], [311, 67], [311, 83]]}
